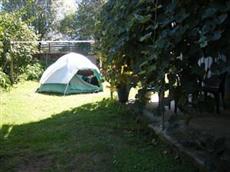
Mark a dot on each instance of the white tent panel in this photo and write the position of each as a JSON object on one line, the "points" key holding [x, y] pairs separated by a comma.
{"points": [[63, 70]]}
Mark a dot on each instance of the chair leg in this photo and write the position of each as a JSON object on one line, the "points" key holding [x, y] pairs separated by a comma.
{"points": [[222, 97], [169, 104], [175, 109], [205, 96], [217, 97]]}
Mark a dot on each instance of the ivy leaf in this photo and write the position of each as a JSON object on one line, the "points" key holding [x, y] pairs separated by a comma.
{"points": [[142, 19], [227, 69], [222, 18], [165, 20], [181, 16], [203, 41], [156, 26], [208, 13], [143, 64], [152, 68], [146, 36], [171, 7], [143, 72], [162, 44], [103, 33], [141, 2], [145, 52], [8, 57], [216, 36], [209, 26], [227, 6], [152, 27]]}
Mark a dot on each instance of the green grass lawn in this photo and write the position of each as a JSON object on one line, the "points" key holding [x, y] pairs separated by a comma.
{"points": [[82, 133]]}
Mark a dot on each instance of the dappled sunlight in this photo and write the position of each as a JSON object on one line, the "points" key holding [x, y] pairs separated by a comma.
{"points": [[5, 131], [133, 93], [154, 98]]}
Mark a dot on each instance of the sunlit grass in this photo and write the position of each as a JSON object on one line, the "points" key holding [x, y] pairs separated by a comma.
{"points": [[23, 105]]}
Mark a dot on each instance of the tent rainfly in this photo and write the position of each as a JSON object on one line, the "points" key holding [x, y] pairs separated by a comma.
{"points": [[71, 73]]}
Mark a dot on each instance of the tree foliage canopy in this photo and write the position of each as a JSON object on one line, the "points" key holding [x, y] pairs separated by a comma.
{"points": [[38, 14], [159, 39], [14, 57], [81, 25]]}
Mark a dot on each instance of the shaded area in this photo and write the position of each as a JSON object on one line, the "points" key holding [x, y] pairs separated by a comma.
{"points": [[203, 136], [101, 136]]}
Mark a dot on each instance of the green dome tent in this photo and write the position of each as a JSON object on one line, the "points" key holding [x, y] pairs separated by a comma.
{"points": [[71, 73]]}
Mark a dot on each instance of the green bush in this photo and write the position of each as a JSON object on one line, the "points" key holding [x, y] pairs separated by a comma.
{"points": [[32, 72], [162, 41], [4, 80], [15, 56]]}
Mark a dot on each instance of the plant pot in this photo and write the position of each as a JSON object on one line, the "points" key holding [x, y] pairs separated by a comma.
{"points": [[123, 93]]}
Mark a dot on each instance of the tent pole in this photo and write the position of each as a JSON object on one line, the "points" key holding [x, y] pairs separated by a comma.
{"points": [[66, 89]]}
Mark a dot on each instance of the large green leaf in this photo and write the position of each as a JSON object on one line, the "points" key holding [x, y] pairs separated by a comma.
{"points": [[209, 12], [181, 16], [215, 36], [208, 26], [143, 19], [203, 41], [181, 33], [146, 36], [171, 7], [222, 18], [164, 20]]}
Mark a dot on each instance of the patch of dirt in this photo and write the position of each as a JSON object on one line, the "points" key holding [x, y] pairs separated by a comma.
{"points": [[218, 126], [91, 162], [35, 164]]}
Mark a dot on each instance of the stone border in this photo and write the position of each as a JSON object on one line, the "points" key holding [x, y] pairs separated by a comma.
{"points": [[196, 159]]}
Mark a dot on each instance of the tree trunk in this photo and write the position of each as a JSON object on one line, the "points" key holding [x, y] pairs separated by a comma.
{"points": [[161, 108], [11, 71], [111, 94], [123, 93]]}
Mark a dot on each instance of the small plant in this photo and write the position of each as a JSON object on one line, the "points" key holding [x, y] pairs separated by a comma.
{"points": [[4, 80], [33, 71]]}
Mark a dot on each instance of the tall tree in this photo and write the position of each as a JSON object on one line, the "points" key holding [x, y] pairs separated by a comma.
{"points": [[14, 56], [38, 14], [82, 24]]}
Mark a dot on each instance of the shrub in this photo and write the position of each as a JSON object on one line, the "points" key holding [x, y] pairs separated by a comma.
{"points": [[4, 80], [33, 71], [15, 56], [162, 41]]}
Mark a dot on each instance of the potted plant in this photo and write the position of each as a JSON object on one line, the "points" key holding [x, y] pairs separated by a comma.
{"points": [[121, 80]]}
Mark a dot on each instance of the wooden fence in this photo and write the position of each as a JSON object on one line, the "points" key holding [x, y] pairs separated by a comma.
{"points": [[50, 51]]}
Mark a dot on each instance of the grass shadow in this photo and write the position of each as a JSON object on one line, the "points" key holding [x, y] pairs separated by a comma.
{"points": [[61, 94], [99, 137]]}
